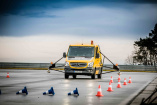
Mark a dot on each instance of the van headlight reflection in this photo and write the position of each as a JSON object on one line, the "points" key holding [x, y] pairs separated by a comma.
{"points": [[90, 64], [66, 63]]}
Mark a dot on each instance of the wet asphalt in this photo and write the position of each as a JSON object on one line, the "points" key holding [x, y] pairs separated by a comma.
{"points": [[39, 81]]}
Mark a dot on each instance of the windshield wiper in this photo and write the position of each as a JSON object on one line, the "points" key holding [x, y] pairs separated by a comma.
{"points": [[88, 57], [84, 56], [79, 56], [71, 56]]}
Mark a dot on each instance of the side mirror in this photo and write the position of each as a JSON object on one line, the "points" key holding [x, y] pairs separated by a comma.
{"points": [[97, 55], [64, 55]]}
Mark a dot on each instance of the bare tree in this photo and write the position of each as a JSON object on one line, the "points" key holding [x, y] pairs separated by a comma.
{"points": [[129, 60]]}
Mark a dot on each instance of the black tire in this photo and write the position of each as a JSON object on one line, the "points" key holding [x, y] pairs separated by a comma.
{"points": [[99, 75], [93, 75], [74, 76], [66, 76]]}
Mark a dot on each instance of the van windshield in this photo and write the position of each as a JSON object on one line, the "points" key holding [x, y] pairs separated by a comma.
{"points": [[79, 51]]}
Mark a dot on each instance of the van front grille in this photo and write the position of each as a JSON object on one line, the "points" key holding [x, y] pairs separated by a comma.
{"points": [[73, 64]]}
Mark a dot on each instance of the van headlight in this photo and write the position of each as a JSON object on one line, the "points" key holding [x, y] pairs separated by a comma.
{"points": [[66, 63], [90, 64]]}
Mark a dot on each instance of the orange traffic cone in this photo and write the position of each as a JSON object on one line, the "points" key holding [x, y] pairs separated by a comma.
{"points": [[130, 80], [99, 93], [125, 83], [119, 84], [8, 75], [111, 80], [110, 87], [119, 78]]}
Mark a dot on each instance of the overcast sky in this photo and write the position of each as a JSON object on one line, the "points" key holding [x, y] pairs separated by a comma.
{"points": [[40, 30]]}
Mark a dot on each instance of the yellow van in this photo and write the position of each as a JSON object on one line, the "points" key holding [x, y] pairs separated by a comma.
{"points": [[83, 59]]}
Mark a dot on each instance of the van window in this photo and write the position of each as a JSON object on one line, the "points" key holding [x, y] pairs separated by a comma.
{"points": [[79, 51]]}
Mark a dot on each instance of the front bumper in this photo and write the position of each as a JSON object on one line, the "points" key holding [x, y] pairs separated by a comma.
{"points": [[86, 71]]}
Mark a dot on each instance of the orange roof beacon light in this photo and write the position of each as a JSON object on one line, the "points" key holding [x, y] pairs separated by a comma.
{"points": [[91, 42], [51, 62], [116, 64]]}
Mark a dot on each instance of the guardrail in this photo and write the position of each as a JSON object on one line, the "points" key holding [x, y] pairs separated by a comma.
{"points": [[46, 65], [24, 65], [136, 67]]}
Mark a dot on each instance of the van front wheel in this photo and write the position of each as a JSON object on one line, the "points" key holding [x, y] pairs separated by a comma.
{"points": [[66, 76], [74, 76], [93, 76], [99, 75]]}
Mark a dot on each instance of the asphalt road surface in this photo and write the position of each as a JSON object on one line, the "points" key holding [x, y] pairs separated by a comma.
{"points": [[39, 81]]}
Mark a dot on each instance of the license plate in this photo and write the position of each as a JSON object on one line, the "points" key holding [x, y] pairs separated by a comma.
{"points": [[77, 71]]}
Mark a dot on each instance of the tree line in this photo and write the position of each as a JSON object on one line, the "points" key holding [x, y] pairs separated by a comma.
{"points": [[145, 52]]}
